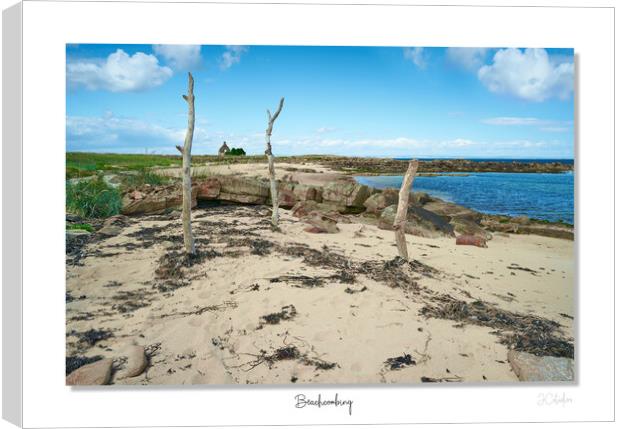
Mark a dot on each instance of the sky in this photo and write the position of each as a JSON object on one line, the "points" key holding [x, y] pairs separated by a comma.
{"points": [[355, 101]]}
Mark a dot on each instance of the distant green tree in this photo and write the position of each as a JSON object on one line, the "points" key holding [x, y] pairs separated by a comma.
{"points": [[236, 152]]}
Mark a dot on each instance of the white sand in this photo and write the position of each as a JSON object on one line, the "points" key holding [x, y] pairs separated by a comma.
{"points": [[358, 332], [307, 173]]}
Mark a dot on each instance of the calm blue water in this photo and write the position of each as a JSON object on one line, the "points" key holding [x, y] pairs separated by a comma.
{"points": [[537, 195]]}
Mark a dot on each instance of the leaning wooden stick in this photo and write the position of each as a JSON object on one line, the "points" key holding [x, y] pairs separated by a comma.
{"points": [[272, 168], [186, 151], [403, 205]]}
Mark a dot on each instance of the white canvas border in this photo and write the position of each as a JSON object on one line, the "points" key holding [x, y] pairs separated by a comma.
{"points": [[49, 25]]}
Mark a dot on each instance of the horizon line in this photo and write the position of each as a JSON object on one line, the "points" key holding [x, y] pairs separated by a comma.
{"points": [[342, 156]]}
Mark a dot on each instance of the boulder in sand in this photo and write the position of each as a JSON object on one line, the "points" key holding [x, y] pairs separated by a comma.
{"points": [[348, 196], [466, 226], [451, 210], [113, 225], [529, 367], [303, 208], [420, 222], [471, 240], [136, 362], [93, 374], [320, 223], [379, 201]]}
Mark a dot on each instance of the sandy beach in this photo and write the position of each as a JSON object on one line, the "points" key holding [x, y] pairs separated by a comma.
{"points": [[259, 306]]}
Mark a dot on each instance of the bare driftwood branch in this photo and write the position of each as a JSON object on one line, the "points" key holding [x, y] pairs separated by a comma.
{"points": [[270, 159], [186, 151], [403, 205]]}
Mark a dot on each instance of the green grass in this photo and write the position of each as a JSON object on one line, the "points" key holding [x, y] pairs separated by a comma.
{"points": [[85, 162], [93, 198], [81, 226], [144, 177], [72, 173]]}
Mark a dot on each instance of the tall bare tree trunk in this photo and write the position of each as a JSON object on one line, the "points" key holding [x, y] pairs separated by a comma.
{"points": [[403, 205], [186, 151], [272, 169]]}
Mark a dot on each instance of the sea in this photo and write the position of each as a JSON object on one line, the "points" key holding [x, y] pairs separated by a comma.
{"points": [[544, 196]]}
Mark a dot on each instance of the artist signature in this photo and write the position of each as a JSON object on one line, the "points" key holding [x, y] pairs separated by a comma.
{"points": [[553, 399], [302, 401]]}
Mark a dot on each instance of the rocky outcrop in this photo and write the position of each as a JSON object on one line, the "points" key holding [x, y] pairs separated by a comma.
{"points": [[243, 190], [466, 226], [427, 216], [154, 199], [208, 189], [529, 367], [399, 166], [420, 222], [380, 200], [347, 196], [420, 198], [451, 210], [506, 224], [308, 193], [286, 198]]}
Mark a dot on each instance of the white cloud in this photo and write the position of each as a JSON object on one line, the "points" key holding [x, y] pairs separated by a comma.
{"points": [[179, 57], [232, 56], [529, 74], [109, 130], [416, 56], [406, 147], [524, 144], [555, 129], [325, 130], [512, 120], [468, 58], [459, 143], [119, 72], [110, 133], [543, 124]]}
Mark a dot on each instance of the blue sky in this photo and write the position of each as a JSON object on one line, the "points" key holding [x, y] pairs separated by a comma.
{"points": [[356, 101]]}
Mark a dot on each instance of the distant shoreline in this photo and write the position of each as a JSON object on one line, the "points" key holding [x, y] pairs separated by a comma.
{"points": [[349, 165]]}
